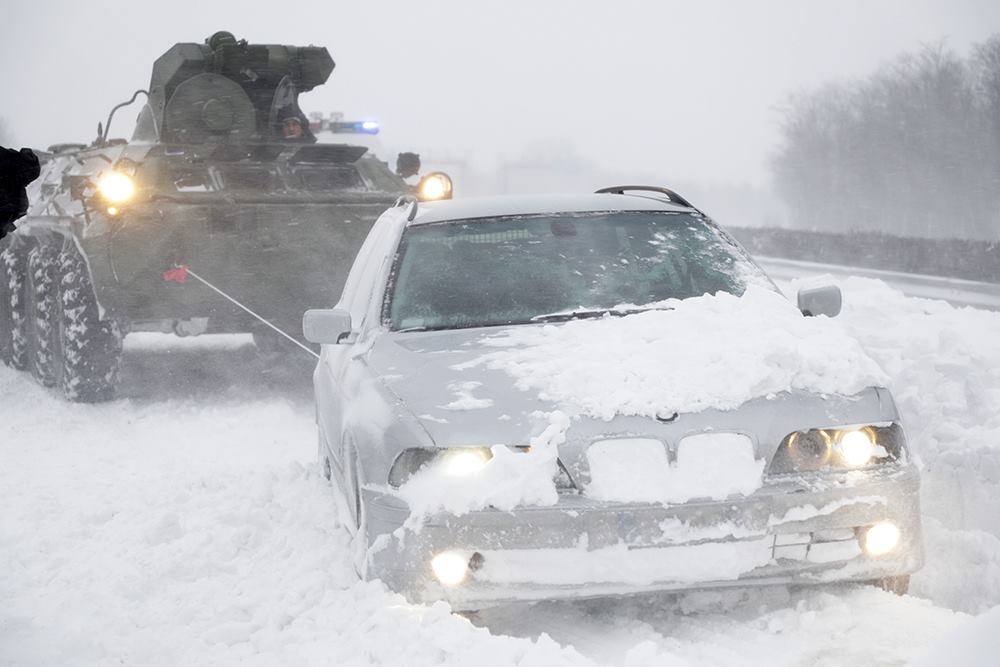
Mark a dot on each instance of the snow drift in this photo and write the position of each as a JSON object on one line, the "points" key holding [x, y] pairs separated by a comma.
{"points": [[707, 352]]}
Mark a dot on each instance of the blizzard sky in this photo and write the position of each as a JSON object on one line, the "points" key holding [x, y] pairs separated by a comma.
{"points": [[686, 91]]}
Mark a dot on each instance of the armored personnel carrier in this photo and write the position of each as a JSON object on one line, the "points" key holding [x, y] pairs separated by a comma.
{"points": [[222, 177]]}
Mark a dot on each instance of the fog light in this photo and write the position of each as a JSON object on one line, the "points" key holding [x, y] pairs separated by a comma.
{"points": [[450, 568], [881, 538], [856, 448]]}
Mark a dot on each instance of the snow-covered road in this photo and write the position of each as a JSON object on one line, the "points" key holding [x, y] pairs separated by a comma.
{"points": [[188, 524]]}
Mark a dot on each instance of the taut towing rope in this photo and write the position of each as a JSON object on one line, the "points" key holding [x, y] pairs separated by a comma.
{"points": [[179, 274]]}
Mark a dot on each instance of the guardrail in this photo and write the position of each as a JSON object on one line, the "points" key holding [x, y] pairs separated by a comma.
{"points": [[953, 290]]}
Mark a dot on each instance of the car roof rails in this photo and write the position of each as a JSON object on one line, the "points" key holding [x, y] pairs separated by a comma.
{"points": [[671, 195], [408, 200]]}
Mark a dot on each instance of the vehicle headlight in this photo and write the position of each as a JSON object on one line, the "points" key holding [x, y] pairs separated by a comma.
{"points": [[434, 186], [842, 448], [453, 462], [116, 187], [856, 448]]}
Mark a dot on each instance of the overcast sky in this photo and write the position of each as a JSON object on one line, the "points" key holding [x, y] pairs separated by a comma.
{"points": [[689, 91]]}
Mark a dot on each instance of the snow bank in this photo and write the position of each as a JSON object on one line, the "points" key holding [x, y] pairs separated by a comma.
{"points": [[184, 529], [943, 365], [973, 644], [708, 352], [188, 532]]}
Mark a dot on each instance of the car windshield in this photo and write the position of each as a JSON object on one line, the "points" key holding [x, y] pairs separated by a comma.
{"points": [[521, 269]]}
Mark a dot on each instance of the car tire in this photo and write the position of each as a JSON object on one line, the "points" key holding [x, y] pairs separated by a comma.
{"points": [[41, 292], [13, 324], [90, 348], [899, 585]]}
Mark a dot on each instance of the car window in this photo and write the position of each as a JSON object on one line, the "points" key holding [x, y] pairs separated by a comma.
{"points": [[513, 269]]}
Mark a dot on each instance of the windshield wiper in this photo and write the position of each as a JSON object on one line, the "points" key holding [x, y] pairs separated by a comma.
{"points": [[591, 313]]}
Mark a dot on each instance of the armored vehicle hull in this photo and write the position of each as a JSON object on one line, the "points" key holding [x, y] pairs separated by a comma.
{"points": [[221, 197]]}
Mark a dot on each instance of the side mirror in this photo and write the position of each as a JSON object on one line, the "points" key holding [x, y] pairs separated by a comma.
{"points": [[326, 326], [820, 300]]}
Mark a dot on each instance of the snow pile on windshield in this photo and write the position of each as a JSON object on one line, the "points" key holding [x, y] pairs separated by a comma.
{"points": [[707, 352], [510, 478]]}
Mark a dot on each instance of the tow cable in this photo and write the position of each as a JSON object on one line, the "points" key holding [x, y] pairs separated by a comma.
{"points": [[179, 275]]}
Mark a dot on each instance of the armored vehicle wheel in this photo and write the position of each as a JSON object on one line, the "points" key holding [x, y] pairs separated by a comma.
{"points": [[89, 348], [41, 292], [13, 334]]}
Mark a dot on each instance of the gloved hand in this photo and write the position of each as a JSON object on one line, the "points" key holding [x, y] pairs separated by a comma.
{"points": [[17, 170]]}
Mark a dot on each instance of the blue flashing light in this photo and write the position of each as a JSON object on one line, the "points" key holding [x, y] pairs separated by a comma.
{"points": [[354, 127]]}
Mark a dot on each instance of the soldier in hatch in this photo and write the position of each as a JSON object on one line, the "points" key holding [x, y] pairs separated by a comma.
{"points": [[291, 129]]}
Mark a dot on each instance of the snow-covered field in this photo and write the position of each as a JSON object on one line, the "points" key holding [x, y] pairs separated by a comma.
{"points": [[188, 524]]}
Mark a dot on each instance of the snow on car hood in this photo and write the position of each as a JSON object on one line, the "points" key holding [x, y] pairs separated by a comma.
{"points": [[708, 352], [454, 405], [721, 363]]}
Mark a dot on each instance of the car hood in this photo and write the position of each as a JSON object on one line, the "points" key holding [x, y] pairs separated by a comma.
{"points": [[461, 402], [457, 401]]}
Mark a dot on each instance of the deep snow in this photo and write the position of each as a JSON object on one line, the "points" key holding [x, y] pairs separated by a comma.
{"points": [[189, 525], [738, 348]]}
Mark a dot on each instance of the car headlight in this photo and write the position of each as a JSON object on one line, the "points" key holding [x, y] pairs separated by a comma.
{"points": [[434, 186], [116, 187], [843, 448], [453, 462]]}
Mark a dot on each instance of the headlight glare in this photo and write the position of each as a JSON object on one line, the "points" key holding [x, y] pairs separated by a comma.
{"points": [[880, 538], [464, 462], [450, 567], [856, 448], [116, 187], [453, 462], [838, 448], [434, 186]]}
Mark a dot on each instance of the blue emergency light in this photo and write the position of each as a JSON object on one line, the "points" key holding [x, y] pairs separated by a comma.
{"points": [[354, 127]]}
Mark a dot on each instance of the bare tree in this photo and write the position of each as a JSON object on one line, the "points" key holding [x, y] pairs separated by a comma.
{"points": [[913, 149]]}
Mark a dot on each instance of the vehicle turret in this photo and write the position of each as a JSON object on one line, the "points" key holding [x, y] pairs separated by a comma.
{"points": [[228, 90]]}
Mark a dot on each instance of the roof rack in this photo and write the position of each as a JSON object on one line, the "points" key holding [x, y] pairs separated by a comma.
{"points": [[622, 189], [408, 200]]}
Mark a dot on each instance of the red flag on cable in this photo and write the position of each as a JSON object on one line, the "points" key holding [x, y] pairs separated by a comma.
{"points": [[178, 275]]}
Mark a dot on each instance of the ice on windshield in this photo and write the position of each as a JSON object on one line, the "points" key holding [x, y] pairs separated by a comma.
{"points": [[515, 269]]}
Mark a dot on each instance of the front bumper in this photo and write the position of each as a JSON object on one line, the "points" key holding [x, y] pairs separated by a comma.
{"points": [[794, 531]]}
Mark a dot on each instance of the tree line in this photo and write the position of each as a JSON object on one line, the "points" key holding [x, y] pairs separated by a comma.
{"points": [[911, 150]]}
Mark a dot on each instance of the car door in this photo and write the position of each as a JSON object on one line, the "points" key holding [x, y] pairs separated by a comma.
{"points": [[339, 369]]}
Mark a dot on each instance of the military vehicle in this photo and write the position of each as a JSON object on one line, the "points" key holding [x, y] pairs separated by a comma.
{"points": [[222, 177]]}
